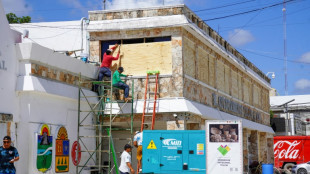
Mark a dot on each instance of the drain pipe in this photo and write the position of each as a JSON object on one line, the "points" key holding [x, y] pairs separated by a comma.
{"points": [[82, 31]]}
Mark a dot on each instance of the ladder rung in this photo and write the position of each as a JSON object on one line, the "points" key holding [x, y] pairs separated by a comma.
{"points": [[153, 93], [148, 115], [94, 125], [104, 136], [147, 123]]}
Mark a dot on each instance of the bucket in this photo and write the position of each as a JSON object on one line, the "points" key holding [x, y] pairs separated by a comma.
{"points": [[84, 57], [267, 168]]}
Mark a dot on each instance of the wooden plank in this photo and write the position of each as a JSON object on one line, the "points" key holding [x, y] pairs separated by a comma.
{"points": [[137, 59]]}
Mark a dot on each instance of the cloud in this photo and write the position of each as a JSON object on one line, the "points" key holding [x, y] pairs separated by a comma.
{"points": [[302, 84], [129, 4], [19, 7], [240, 37], [305, 58]]}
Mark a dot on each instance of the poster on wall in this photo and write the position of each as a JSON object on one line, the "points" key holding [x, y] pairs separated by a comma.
{"points": [[44, 149], [224, 147], [62, 151]]}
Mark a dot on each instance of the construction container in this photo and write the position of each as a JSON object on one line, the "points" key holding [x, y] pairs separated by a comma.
{"points": [[174, 151]]}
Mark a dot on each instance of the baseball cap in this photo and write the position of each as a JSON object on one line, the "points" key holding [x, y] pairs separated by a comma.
{"points": [[127, 146], [7, 138]]}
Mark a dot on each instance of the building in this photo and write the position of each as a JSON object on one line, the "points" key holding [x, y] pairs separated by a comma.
{"points": [[202, 76], [39, 97], [295, 120]]}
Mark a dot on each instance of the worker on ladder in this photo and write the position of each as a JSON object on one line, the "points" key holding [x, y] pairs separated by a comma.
{"points": [[137, 142], [106, 63], [117, 82]]}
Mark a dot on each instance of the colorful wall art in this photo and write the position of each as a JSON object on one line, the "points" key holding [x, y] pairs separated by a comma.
{"points": [[62, 151], [44, 149]]}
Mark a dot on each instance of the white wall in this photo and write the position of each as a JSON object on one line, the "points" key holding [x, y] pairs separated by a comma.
{"points": [[36, 109]]}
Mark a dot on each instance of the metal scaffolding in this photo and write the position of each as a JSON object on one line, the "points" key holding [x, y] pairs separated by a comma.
{"points": [[99, 118]]}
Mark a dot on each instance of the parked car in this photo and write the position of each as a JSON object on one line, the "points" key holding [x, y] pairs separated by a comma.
{"points": [[303, 168]]}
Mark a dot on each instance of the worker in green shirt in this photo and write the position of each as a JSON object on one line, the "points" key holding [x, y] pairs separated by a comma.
{"points": [[117, 82]]}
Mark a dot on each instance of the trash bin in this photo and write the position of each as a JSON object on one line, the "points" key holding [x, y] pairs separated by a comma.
{"points": [[267, 168]]}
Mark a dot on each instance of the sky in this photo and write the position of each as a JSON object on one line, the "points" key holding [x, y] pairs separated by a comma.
{"points": [[257, 33]]}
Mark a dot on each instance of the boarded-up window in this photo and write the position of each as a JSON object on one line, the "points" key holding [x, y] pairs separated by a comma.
{"points": [[227, 79], [234, 84], [137, 59], [220, 76], [203, 65], [211, 71], [189, 57]]}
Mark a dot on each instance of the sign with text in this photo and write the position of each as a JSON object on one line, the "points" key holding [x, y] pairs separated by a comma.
{"points": [[224, 147]]}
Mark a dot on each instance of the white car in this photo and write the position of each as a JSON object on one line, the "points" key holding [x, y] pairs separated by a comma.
{"points": [[303, 168]]}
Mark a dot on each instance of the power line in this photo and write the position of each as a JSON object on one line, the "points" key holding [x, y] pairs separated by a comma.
{"points": [[246, 12], [276, 58], [223, 6]]}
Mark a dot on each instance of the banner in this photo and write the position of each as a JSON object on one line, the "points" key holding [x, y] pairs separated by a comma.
{"points": [[224, 147]]}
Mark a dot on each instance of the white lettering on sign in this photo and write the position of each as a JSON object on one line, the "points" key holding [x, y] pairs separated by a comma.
{"points": [[286, 149], [172, 143]]}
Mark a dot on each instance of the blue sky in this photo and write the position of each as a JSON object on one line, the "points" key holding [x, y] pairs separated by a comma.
{"points": [[257, 35]]}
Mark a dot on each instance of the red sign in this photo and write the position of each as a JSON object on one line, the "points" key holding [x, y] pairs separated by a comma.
{"points": [[287, 149], [76, 160]]}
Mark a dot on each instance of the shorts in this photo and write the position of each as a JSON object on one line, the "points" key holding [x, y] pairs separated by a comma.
{"points": [[139, 153]]}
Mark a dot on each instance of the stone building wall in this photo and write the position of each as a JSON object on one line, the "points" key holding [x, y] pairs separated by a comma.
{"points": [[208, 74], [169, 85]]}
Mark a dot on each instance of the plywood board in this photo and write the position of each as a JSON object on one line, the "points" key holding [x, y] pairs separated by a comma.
{"points": [[137, 59], [220, 76], [211, 71], [234, 84], [189, 52], [227, 79], [203, 65]]}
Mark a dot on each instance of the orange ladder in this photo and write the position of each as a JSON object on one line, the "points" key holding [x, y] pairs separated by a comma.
{"points": [[147, 93]]}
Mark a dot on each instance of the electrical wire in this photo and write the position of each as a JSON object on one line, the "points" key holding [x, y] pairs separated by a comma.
{"points": [[247, 12], [276, 58]]}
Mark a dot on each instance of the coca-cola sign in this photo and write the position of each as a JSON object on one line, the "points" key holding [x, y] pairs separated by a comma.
{"points": [[287, 149]]}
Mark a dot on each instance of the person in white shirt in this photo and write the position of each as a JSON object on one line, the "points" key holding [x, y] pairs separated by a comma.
{"points": [[125, 167], [137, 142]]}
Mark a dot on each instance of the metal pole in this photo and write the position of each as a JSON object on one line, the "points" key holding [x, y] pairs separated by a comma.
{"points": [[104, 4], [78, 127], [163, 2], [286, 120], [285, 48]]}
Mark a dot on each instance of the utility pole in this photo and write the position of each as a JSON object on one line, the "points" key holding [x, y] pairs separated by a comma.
{"points": [[285, 106], [163, 2], [104, 4], [285, 55]]}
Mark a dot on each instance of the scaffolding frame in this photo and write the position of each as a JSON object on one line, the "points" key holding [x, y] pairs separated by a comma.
{"points": [[99, 111]]}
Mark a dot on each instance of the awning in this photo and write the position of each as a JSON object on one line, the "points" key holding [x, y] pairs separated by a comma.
{"points": [[175, 105]]}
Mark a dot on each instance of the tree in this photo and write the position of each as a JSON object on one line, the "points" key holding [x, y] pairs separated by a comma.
{"points": [[13, 19]]}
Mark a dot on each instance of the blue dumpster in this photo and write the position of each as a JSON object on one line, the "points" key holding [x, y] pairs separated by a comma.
{"points": [[267, 168], [174, 151]]}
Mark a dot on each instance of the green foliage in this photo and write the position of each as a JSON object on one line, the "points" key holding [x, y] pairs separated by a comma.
{"points": [[271, 114], [13, 19]]}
